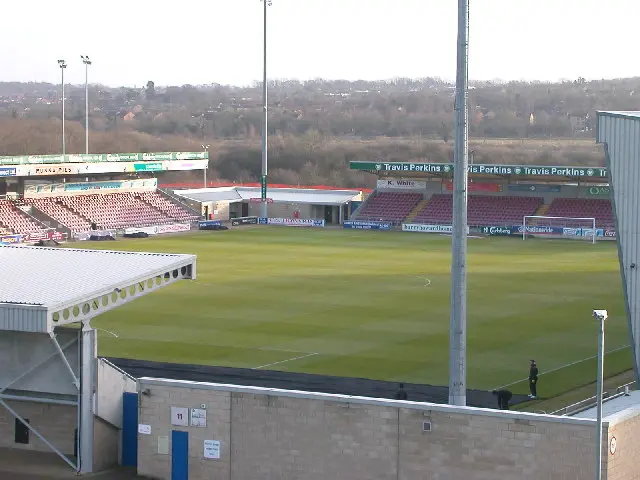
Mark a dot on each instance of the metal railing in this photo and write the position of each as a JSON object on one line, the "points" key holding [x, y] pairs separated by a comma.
{"points": [[591, 402]]}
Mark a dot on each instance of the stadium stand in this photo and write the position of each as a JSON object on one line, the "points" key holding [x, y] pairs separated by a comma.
{"points": [[59, 212], [600, 209], [391, 207], [16, 221], [168, 208], [482, 210]]}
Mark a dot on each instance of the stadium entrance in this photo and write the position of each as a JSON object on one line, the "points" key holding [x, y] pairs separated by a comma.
{"points": [[504, 200]]}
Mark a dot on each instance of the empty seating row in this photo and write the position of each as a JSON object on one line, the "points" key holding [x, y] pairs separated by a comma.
{"points": [[388, 206], [61, 213], [168, 208], [597, 208], [481, 210], [17, 221]]}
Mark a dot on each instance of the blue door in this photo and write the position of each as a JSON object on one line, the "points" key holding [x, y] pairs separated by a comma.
{"points": [[179, 455], [130, 429]]}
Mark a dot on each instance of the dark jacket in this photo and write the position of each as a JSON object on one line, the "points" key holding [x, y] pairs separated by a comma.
{"points": [[533, 373]]}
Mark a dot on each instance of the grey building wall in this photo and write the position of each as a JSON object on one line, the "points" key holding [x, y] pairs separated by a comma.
{"points": [[269, 433], [620, 135]]}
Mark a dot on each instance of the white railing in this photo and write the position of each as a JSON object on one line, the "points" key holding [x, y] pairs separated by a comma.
{"points": [[591, 402]]}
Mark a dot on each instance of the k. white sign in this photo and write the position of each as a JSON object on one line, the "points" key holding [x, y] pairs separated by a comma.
{"points": [[401, 184]]}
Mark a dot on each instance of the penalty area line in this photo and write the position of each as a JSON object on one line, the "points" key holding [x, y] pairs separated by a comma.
{"points": [[300, 357], [563, 366]]}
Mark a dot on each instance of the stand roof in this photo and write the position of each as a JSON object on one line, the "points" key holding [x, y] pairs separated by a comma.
{"points": [[41, 287]]}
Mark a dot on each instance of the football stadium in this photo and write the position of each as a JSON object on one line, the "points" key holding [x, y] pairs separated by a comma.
{"points": [[320, 330]]}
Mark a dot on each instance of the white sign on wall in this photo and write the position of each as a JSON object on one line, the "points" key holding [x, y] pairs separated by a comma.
{"points": [[198, 417], [180, 416], [144, 429], [401, 184], [212, 449]]}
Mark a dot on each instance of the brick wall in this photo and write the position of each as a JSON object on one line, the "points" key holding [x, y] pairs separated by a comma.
{"points": [[269, 433]]}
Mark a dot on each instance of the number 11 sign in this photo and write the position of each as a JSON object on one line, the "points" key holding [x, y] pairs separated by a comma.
{"points": [[180, 416]]}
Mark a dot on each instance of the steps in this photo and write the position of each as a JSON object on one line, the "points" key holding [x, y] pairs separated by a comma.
{"points": [[416, 210], [543, 209]]}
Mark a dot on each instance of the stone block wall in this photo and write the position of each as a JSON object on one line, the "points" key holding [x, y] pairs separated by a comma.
{"points": [[270, 433]]}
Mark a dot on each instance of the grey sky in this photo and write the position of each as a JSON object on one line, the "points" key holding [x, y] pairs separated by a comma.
{"points": [[205, 41]]}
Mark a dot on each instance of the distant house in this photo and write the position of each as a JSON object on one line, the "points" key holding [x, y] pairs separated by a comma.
{"points": [[129, 117]]}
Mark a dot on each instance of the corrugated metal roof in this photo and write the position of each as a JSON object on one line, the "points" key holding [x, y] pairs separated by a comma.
{"points": [[51, 277], [279, 195]]}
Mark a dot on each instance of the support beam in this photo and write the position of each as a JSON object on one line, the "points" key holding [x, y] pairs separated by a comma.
{"points": [[64, 359], [87, 384], [39, 435], [48, 401]]}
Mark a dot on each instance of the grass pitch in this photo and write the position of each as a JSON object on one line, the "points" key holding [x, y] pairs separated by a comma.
{"points": [[376, 305]]}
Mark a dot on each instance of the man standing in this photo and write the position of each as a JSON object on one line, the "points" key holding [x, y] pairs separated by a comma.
{"points": [[533, 379], [503, 397]]}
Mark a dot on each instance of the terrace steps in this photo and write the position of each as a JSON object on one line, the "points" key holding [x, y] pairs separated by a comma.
{"points": [[412, 215]]}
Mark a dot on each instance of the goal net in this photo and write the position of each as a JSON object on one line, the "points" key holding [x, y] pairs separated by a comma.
{"points": [[562, 227]]}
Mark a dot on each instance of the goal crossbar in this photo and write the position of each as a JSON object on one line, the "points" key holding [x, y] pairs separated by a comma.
{"points": [[591, 229]]}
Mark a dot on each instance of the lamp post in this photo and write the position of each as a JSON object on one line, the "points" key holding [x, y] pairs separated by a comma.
{"points": [[206, 149], [263, 178], [87, 62], [62, 64], [600, 316]]}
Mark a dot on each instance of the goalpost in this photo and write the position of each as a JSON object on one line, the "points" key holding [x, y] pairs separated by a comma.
{"points": [[575, 228]]}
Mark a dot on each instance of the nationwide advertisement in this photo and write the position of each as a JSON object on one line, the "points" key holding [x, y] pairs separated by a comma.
{"points": [[292, 222], [417, 227], [103, 157], [532, 187], [360, 225], [534, 229], [497, 231], [477, 187], [7, 172], [401, 184], [588, 232], [207, 224], [9, 239], [236, 222], [483, 169]]}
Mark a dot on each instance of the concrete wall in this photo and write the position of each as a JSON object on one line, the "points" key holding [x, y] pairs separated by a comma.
{"points": [[112, 383], [20, 351], [106, 445], [270, 433], [284, 210]]}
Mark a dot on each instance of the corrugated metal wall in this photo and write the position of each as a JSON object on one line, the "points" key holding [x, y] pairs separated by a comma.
{"points": [[620, 134], [23, 318]]}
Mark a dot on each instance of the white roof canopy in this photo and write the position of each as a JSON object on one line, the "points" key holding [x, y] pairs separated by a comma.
{"points": [[279, 195], [41, 288]]}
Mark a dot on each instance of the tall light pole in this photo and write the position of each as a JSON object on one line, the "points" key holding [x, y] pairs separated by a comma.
{"points": [[87, 62], [458, 320], [62, 64], [206, 149], [263, 179], [600, 316]]}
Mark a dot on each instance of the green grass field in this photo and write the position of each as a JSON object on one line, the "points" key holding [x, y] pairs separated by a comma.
{"points": [[376, 305]]}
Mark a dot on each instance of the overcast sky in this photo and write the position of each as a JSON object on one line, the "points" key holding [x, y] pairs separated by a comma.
{"points": [[207, 41]]}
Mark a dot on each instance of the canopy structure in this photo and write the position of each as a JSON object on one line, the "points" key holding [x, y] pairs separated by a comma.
{"points": [[43, 289], [278, 195]]}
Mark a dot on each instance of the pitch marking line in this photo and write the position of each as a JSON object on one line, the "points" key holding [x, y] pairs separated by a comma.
{"points": [[563, 366], [285, 361]]}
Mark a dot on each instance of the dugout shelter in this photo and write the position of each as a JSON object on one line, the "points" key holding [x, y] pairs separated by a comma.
{"points": [[48, 347]]}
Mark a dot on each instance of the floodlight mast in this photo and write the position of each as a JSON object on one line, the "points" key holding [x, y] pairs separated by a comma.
{"points": [[458, 321], [62, 64], [263, 179], [87, 62]]}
